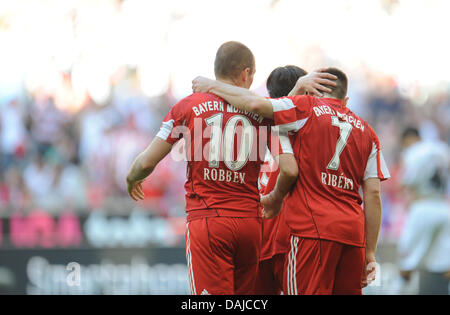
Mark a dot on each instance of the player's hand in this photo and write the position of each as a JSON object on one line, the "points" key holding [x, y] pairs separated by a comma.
{"points": [[315, 83], [135, 190], [370, 270], [201, 84], [271, 205]]}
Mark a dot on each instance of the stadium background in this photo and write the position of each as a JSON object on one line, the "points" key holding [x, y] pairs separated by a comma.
{"points": [[84, 86]]}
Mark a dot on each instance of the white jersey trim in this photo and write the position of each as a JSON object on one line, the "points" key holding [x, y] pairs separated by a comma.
{"points": [[371, 170], [282, 104], [293, 126], [166, 129], [189, 262]]}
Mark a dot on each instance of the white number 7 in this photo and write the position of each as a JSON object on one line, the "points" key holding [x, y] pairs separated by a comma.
{"points": [[344, 131]]}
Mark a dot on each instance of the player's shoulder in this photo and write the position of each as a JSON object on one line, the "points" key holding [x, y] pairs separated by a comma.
{"points": [[290, 102], [194, 99], [302, 98], [370, 133], [363, 122], [204, 97], [356, 116]]}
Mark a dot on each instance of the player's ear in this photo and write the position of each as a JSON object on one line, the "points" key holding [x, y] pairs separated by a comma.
{"points": [[245, 74], [345, 101]]}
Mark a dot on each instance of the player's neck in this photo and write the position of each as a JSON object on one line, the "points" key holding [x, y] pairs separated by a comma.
{"points": [[228, 81], [326, 95]]}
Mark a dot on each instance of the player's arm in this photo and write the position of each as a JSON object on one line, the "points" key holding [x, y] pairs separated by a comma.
{"points": [[273, 201], [372, 212], [171, 131], [245, 99], [240, 98], [144, 164], [375, 172], [314, 83]]}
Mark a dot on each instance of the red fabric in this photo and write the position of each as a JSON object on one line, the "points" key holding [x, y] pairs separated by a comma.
{"points": [[209, 187], [267, 181], [326, 203], [269, 228], [315, 266], [275, 231], [280, 241], [270, 276], [275, 240], [222, 254]]}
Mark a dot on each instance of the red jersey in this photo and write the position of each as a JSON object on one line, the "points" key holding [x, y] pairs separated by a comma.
{"points": [[336, 151], [275, 238], [222, 146]]}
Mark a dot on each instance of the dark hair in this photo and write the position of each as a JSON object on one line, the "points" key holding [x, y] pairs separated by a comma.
{"points": [[439, 180], [410, 131], [282, 80], [232, 58], [340, 90]]}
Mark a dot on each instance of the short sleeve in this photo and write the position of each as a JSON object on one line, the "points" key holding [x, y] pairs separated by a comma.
{"points": [[291, 113], [376, 166], [174, 119]]}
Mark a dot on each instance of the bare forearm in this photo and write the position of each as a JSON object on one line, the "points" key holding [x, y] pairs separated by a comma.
{"points": [[283, 186], [373, 212], [288, 175], [239, 97], [137, 171], [146, 161], [315, 83], [298, 89], [243, 99]]}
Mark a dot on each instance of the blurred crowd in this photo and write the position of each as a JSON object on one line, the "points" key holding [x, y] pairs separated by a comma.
{"points": [[390, 114], [55, 160], [92, 95]]}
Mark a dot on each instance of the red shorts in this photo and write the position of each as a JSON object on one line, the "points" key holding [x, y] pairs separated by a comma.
{"points": [[222, 254], [323, 267], [270, 276]]}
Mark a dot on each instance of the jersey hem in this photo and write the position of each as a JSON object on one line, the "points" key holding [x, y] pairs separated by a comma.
{"points": [[330, 238], [271, 255], [207, 213]]}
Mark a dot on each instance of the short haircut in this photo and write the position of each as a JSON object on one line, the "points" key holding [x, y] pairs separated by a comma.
{"points": [[340, 90], [232, 58], [282, 80], [410, 132]]}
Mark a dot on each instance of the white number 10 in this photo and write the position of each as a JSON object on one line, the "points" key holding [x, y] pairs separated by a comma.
{"points": [[215, 122], [344, 132]]}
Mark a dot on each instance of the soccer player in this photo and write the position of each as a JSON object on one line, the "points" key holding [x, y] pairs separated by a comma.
{"points": [[223, 230], [333, 241], [425, 240], [275, 238]]}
